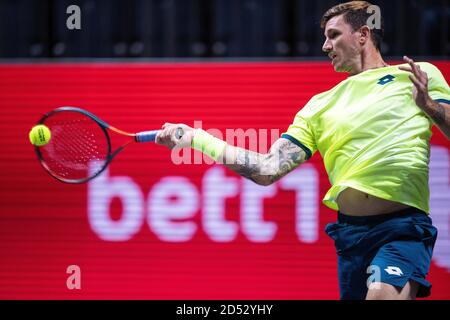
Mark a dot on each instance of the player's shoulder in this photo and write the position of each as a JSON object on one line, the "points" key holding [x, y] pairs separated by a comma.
{"points": [[321, 100], [330, 92], [430, 69], [435, 75], [314, 104], [427, 66]]}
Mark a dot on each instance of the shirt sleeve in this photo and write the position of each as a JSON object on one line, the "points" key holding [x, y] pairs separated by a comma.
{"points": [[438, 88], [301, 133]]}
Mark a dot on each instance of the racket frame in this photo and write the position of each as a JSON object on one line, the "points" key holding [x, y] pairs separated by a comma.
{"points": [[140, 137], [103, 125]]}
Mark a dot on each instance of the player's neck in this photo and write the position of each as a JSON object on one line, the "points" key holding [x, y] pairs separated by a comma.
{"points": [[371, 60]]}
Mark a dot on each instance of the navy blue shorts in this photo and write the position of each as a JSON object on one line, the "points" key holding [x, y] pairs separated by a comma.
{"points": [[391, 248]]}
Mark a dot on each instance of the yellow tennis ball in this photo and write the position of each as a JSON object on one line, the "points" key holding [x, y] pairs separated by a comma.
{"points": [[40, 135]]}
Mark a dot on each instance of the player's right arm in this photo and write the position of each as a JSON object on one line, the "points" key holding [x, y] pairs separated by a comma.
{"points": [[262, 168]]}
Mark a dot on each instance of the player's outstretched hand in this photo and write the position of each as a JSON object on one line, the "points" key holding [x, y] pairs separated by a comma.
{"points": [[169, 135], [420, 80]]}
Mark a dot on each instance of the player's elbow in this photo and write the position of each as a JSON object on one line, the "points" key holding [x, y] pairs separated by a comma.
{"points": [[268, 171], [267, 176], [263, 181]]}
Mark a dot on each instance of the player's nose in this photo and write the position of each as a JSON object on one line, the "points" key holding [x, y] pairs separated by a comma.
{"points": [[327, 47]]}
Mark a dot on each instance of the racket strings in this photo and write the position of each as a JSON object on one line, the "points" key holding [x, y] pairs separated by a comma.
{"points": [[78, 148]]}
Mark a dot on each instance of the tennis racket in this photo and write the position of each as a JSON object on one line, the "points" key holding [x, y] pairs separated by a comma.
{"points": [[80, 145]]}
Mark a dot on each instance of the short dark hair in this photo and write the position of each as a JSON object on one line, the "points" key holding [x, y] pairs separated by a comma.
{"points": [[356, 15]]}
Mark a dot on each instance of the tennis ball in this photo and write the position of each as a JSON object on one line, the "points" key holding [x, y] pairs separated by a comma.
{"points": [[40, 135]]}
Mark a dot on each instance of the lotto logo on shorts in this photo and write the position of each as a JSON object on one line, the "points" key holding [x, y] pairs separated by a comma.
{"points": [[394, 271]]}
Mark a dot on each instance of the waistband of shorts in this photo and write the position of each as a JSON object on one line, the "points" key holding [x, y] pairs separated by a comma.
{"points": [[361, 220]]}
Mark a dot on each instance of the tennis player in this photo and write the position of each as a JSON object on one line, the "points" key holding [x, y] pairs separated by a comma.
{"points": [[372, 131]]}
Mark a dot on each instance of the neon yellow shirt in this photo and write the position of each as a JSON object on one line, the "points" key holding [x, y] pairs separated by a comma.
{"points": [[371, 134]]}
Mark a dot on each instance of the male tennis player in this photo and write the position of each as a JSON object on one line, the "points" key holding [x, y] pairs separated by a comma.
{"points": [[372, 131]]}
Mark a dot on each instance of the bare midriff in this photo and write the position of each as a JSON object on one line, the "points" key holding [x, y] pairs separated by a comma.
{"points": [[353, 202]]}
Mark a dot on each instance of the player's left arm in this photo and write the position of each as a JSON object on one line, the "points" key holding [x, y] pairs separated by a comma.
{"points": [[439, 112]]}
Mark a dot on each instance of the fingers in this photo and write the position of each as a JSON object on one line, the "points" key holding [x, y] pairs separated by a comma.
{"points": [[410, 62], [416, 82], [168, 135], [419, 84], [160, 137], [420, 77], [415, 68], [405, 68], [163, 136]]}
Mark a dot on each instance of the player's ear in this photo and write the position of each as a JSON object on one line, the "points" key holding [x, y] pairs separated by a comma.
{"points": [[364, 34]]}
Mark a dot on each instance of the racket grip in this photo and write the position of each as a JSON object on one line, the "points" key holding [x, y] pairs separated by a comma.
{"points": [[146, 136]]}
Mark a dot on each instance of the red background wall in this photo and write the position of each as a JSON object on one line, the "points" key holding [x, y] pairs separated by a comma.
{"points": [[45, 225]]}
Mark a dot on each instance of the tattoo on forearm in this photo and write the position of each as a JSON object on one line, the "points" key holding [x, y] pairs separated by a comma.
{"points": [[247, 164], [290, 156], [437, 113], [283, 157]]}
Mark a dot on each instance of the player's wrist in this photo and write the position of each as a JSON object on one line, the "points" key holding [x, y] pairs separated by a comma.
{"points": [[430, 103], [207, 144]]}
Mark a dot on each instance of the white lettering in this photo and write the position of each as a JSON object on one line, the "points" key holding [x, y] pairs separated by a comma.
{"points": [[173, 198], [74, 280], [252, 210], [305, 182], [216, 188], [74, 20], [101, 191], [374, 21], [173, 202], [440, 203]]}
